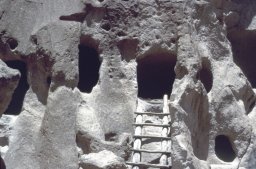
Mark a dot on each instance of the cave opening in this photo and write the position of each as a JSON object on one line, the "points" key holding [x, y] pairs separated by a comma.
{"points": [[224, 149], [89, 66], [205, 75], [2, 165], [155, 75], [16, 103], [244, 52]]}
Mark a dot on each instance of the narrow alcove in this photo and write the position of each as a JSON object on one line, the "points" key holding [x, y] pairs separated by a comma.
{"points": [[205, 75], [224, 149], [89, 65], [155, 75], [16, 103], [2, 165], [244, 52]]}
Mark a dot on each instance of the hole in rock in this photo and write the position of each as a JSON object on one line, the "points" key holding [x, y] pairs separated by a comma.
{"points": [[2, 165], [173, 40], [224, 149], [244, 52], [12, 43], [89, 65], [106, 26], [155, 75], [49, 81], [205, 75], [111, 136], [16, 103]]}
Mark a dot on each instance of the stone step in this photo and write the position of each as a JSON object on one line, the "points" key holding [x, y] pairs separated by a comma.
{"points": [[148, 136], [141, 164], [151, 151], [152, 113], [151, 124]]}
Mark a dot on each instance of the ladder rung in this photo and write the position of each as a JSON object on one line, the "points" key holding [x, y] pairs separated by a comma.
{"points": [[147, 136], [151, 151], [141, 164], [152, 113], [151, 124]]}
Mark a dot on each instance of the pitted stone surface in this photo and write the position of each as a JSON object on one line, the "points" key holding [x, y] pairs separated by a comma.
{"points": [[213, 42]]}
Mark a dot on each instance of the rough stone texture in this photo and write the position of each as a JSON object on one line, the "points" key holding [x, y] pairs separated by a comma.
{"points": [[102, 160], [58, 127], [6, 125], [213, 93]]}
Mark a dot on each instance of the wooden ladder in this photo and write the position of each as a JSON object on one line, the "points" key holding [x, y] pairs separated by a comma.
{"points": [[164, 138]]}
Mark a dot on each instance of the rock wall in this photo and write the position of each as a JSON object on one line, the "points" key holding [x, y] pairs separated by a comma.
{"points": [[68, 117]]}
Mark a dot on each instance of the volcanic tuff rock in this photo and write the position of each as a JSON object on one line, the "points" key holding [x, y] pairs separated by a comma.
{"points": [[102, 160], [9, 79], [85, 66]]}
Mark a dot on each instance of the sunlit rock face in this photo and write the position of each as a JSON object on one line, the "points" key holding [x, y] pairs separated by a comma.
{"points": [[72, 73]]}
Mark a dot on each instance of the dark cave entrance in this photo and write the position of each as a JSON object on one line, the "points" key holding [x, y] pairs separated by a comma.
{"points": [[155, 75], [244, 52], [205, 75], [18, 96], [13, 44], [2, 165], [224, 149], [89, 65]]}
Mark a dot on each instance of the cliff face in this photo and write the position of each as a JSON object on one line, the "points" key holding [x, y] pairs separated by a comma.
{"points": [[83, 64]]}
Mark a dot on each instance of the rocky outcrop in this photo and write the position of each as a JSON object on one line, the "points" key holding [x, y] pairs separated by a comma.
{"points": [[87, 65], [102, 160], [6, 125], [201, 116]]}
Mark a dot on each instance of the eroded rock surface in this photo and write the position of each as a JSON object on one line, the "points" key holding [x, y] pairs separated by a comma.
{"points": [[102, 160], [87, 65]]}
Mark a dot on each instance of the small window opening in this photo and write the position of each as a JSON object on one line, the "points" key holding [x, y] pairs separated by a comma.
{"points": [[89, 65], [18, 96], [106, 26], [205, 75], [224, 149], [155, 75], [13, 44]]}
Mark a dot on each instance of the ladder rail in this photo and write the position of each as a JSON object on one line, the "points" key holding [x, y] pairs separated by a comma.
{"points": [[165, 140], [164, 157]]}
